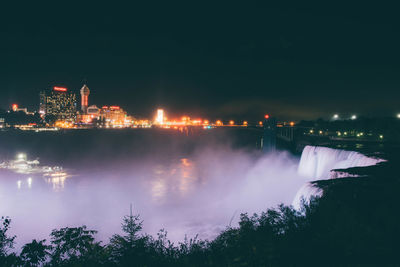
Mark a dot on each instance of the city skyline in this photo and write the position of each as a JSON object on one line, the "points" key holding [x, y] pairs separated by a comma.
{"points": [[80, 100]]}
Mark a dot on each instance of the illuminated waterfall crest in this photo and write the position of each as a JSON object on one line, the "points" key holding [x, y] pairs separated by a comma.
{"points": [[320, 163]]}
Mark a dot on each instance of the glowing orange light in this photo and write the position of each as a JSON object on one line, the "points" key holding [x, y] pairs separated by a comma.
{"points": [[245, 123], [206, 122], [114, 107], [60, 89], [105, 107], [266, 116], [231, 122], [291, 123], [14, 107], [260, 123], [219, 122]]}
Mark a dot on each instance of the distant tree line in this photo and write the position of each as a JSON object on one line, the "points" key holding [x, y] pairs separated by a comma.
{"points": [[388, 127], [20, 118]]}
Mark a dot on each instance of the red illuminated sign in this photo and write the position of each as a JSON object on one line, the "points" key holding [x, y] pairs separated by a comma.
{"points": [[105, 107], [60, 89], [114, 107]]}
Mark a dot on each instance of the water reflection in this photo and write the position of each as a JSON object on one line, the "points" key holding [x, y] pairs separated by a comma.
{"points": [[57, 180], [177, 178], [19, 184], [188, 178]]}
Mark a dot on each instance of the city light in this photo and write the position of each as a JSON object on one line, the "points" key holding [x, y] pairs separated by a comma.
{"points": [[336, 116], [14, 107], [266, 116], [291, 123], [160, 116], [245, 123], [231, 122], [60, 89], [353, 117], [218, 122], [398, 115], [64, 124]]}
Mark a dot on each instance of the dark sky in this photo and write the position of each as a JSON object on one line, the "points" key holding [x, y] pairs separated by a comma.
{"points": [[206, 59]]}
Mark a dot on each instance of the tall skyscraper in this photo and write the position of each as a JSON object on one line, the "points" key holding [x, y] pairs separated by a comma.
{"points": [[58, 102], [85, 92], [43, 101]]}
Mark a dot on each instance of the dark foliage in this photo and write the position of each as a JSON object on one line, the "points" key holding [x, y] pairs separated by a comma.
{"points": [[20, 117]]}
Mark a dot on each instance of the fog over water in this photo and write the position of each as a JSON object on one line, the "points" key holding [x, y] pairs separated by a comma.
{"points": [[188, 185]]}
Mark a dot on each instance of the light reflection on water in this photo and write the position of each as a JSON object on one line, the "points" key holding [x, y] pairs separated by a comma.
{"points": [[57, 180], [179, 179]]}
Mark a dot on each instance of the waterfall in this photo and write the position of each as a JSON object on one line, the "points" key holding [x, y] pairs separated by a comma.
{"points": [[305, 193], [320, 163]]}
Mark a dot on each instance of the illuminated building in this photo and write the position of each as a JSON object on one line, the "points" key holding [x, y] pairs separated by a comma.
{"points": [[143, 123], [16, 108], [92, 112], [160, 116], [85, 92], [58, 102], [42, 105], [114, 116]]}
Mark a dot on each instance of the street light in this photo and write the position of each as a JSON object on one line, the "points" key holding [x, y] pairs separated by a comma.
{"points": [[336, 116], [353, 117], [398, 115]]}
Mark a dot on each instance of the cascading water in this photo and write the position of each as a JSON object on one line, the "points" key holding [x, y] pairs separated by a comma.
{"points": [[320, 163]]}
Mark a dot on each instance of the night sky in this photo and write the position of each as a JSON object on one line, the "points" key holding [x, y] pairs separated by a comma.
{"points": [[205, 59]]}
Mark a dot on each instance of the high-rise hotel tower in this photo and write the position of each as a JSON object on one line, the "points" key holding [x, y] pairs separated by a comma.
{"points": [[58, 102]]}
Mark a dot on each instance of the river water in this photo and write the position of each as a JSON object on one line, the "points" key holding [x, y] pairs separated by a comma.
{"points": [[188, 184]]}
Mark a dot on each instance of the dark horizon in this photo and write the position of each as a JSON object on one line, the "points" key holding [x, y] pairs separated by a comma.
{"points": [[228, 61]]}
